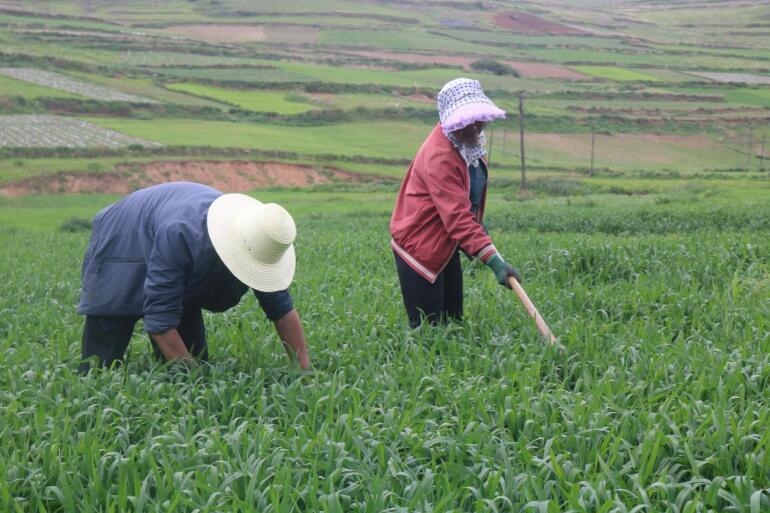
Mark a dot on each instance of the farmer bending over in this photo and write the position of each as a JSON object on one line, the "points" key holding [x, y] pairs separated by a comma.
{"points": [[165, 252], [440, 207]]}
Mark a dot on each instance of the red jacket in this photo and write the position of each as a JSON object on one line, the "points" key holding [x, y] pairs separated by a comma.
{"points": [[433, 211]]}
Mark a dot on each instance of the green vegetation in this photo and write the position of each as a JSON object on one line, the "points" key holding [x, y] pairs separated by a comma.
{"points": [[445, 416], [645, 58], [400, 139], [413, 39], [280, 102], [12, 87], [371, 101], [432, 78], [146, 87], [653, 268], [615, 73], [375, 139], [759, 96], [494, 67]]}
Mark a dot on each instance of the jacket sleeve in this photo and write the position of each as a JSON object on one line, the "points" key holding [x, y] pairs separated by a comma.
{"points": [[444, 181], [168, 266], [275, 304]]}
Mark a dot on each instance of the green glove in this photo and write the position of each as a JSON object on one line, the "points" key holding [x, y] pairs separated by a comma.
{"points": [[502, 270]]}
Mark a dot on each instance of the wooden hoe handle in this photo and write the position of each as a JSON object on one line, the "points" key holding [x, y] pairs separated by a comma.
{"points": [[542, 327]]}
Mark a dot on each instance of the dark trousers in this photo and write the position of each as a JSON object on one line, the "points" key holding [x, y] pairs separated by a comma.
{"points": [[107, 337], [435, 302]]}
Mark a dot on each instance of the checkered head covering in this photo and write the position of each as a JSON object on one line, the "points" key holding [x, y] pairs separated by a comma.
{"points": [[462, 102]]}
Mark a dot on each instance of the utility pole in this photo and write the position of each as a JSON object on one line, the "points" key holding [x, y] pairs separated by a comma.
{"points": [[491, 142], [762, 153], [521, 142], [502, 151], [593, 146], [751, 145]]}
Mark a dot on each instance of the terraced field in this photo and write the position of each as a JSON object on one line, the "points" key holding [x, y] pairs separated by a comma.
{"points": [[741, 78], [61, 82], [615, 73], [41, 131], [261, 101], [13, 87]]}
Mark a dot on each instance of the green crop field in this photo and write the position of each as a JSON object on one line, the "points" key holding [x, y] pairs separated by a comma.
{"points": [[14, 19], [716, 15], [642, 232], [147, 87], [399, 140], [644, 59], [614, 73], [259, 101], [418, 78], [759, 96], [658, 397], [685, 154], [375, 139], [403, 40], [373, 101], [534, 41], [12, 87]]}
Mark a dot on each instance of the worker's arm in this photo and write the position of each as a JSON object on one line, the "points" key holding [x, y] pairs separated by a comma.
{"points": [[446, 184], [279, 308], [171, 345], [289, 328], [165, 282]]}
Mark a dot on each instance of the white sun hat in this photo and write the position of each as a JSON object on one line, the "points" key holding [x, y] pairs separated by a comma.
{"points": [[254, 240], [462, 102]]}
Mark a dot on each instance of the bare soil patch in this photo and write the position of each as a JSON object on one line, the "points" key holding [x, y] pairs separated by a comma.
{"points": [[293, 34], [518, 21], [227, 176], [214, 33]]}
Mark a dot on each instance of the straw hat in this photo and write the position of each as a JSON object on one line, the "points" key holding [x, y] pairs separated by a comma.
{"points": [[462, 102], [254, 240]]}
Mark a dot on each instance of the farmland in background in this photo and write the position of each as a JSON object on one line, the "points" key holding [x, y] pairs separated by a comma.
{"points": [[615, 73], [642, 237], [30, 131], [68, 85], [260, 101]]}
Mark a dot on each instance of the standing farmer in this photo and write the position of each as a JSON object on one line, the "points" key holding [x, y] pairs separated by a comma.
{"points": [[165, 252], [440, 208]]}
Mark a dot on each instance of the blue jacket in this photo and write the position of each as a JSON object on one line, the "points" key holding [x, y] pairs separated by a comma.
{"points": [[150, 255]]}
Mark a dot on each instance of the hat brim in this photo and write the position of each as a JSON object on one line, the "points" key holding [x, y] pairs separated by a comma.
{"points": [[260, 276], [469, 114]]}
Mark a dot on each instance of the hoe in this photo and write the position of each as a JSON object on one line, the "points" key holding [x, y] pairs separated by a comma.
{"points": [[542, 327]]}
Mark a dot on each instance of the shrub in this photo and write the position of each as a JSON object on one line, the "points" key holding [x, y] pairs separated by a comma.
{"points": [[493, 66], [75, 224]]}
